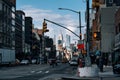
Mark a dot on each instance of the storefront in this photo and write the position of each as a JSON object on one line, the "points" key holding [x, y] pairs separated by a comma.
{"points": [[116, 51]]}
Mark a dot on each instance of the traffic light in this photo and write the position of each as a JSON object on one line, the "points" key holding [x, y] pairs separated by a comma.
{"points": [[97, 35], [45, 27], [80, 36]]}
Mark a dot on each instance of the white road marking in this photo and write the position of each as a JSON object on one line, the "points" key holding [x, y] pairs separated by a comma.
{"points": [[46, 71], [39, 72], [32, 72]]}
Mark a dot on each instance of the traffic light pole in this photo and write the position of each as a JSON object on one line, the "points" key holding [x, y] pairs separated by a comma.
{"points": [[43, 45], [44, 29], [80, 25], [62, 27]]}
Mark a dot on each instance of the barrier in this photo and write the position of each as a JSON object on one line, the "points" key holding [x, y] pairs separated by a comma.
{"points": [[91, 71]]}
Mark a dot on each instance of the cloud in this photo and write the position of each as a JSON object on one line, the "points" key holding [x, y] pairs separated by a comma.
{"points": [[39, 14]]}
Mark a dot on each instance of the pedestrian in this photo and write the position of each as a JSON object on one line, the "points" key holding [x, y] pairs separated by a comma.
{"points": [[80, 64], [101, 64], [97, 60]]}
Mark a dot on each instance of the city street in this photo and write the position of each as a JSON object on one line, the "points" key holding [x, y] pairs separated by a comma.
{"points": [[46, 72], [60, 40]]}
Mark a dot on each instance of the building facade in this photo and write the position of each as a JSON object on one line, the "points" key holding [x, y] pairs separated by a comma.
{"points": [[19, 33], [28, 34], [7, 29], [60, 42], [112, 3], [105, 24], [116, 51], [67, 40]]}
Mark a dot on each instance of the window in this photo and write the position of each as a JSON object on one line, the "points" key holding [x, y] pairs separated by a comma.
{"points": [[119, 28], [1, 29], [13, 15], [0, 38], [0, 6], [116, 30], [13, 9], [13, 42], [110, 1], [23, 22], [23, 28], [0, 26], [23, 17], [13, 28], [13, 22]]}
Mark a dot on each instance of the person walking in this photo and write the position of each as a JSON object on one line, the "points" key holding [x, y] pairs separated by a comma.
{"points": [[80, 64], [101, 64], [97, 60]]}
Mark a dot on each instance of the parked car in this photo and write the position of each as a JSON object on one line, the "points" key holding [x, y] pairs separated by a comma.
{"points": [[116, 68], [34, 61], [25, 61], [41, 60], [74, 60]]}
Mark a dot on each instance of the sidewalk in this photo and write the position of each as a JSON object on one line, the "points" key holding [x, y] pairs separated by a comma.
{"points": [[107, 70], [107, 74]]}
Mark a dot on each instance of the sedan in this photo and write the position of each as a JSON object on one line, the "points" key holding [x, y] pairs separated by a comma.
{"points": [[24, 62], [34, 61]]}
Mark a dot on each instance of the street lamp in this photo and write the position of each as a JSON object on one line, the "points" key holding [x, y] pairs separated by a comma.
{"points": [[78, 12]]}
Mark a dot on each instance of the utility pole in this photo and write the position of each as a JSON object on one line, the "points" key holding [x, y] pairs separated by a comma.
{"points": [[88, 61], [62, 27]]}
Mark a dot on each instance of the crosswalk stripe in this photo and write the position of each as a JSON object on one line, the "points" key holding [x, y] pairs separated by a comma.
{"points": [[39, 72], [46, 71]]}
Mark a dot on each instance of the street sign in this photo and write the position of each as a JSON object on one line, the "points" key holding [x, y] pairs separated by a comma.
{"points": [[80, 46]]}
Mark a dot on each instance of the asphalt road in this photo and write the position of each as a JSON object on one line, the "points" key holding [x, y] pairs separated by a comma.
{"points": [[31, 72], [46, 72]]}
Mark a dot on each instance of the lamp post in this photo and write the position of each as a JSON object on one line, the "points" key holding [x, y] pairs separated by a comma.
{"points": [[78, 12], [88, 38]]}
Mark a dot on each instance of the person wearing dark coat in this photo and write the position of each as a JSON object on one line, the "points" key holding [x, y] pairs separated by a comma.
{"points": [[101, 64]]}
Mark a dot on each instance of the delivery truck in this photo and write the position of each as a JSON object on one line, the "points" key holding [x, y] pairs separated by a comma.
{"points": [[7, 56]]}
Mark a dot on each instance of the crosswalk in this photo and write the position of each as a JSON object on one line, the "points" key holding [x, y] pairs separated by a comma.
{"points": [[38, 72]]}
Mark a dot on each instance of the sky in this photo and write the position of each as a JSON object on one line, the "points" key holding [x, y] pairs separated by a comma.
{"points": [[48, 9]]}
